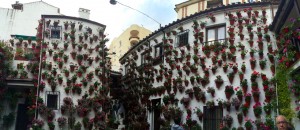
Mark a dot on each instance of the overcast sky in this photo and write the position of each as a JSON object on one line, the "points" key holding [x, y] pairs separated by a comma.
{"points": [[117, 18]]}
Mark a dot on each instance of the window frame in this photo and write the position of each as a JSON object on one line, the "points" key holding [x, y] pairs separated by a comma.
{"points": [[160, 57], [214, 120], [143, 58], [215, 28], [58, 28], [57, 93], [178, 38]]}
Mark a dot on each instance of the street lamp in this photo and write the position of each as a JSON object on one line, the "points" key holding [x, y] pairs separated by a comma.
{"points": [[114, 2]]}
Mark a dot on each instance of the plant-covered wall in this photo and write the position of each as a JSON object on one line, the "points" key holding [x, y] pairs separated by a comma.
{"points": [[233, 73], [74, 67], [286, 69]]}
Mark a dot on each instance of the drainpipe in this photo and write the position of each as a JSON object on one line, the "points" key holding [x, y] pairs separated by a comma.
{"points": [[40, 71]]}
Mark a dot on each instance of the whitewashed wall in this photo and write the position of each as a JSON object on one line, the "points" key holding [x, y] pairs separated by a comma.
{"points": [[23, 22], [91, 68], [220, 19]]}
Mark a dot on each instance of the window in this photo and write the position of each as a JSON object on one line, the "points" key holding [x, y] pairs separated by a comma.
{"points": [[126, 68], [55, 32], [144, 58], [158, 54], [212, 118], [182, 38], [52, 100], [215, 33]]}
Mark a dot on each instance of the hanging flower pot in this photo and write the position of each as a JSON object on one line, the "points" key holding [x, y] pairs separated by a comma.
{"points": [[240, 118], [73, 54], [225, 66], [272, 68], [90, 60], [72, 67], [241, 36], [79, 47], [53, 85], [264, 19], [231, 41], [74, 45], [219, 81], [247, 20], [239, 14], [231, 77], [256, 13], [241, 75], [254, 20], [232, 21], [220, 62]]}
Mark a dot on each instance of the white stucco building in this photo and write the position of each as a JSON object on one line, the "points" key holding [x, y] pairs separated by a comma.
{"points": [[175, 66], [22, 18]]}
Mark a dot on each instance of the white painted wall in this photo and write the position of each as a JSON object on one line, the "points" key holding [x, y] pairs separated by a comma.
{"points": [[23, 22], [220, 19], [92, 67]]}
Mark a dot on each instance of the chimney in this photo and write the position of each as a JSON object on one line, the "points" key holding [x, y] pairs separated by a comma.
{"points": [[84, 13], [17, 6]]}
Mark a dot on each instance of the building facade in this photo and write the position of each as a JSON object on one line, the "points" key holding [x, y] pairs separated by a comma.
{"points": [[122, 44], [74, 73], [21, 19], [212, 69], [190, 7]]}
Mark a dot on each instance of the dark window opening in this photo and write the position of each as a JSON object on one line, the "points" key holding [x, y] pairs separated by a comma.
{"points": [[212, 118], [144, 58], [158, 54], [55, 32], [182, 39], [53, 100]]}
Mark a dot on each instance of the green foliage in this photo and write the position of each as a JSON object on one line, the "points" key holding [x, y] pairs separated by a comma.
{"points": [[284, 97]]}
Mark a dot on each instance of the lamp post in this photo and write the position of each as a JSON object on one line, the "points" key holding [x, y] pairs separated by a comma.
{"points": [[114, 2]]}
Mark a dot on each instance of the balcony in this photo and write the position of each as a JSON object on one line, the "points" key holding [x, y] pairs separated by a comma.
{"points": [[214, 3], [134, 37], [133, 40]]}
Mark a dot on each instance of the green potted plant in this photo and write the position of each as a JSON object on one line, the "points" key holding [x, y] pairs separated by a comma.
{"points": [[257, 109], [248, 124]]}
